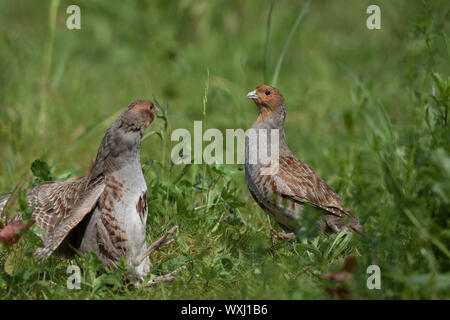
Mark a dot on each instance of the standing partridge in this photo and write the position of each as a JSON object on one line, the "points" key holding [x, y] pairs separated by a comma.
{"points": [[284, 186], [105, 212]]}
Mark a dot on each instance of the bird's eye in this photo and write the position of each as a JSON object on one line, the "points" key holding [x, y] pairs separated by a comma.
{"points": [[151, 107], [267, 93]]}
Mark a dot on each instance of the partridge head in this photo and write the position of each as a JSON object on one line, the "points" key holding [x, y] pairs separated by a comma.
{"points": [[123, 138]]}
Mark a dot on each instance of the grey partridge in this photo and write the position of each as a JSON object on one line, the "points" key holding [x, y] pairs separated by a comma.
{"points": [[106, 211], [282, 185]]}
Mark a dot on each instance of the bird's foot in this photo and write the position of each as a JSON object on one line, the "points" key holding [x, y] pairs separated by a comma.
{"points": [[165, 278], [161, 242], [282, 236], [111, 264]]}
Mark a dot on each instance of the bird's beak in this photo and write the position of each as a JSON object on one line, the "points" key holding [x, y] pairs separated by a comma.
{"points": [[156, 110], [252, 95]]}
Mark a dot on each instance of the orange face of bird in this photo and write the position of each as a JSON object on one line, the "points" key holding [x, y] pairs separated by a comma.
{"points": [[267, 98], [147, 110]]}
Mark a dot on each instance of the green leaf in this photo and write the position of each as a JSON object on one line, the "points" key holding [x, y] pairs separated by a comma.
{"points": [[12, 260], [41, 170]]}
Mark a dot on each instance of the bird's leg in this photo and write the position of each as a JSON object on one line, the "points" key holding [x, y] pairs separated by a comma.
{"points": [[165, 278], [282, 236], [109, 263], [163, 241]]}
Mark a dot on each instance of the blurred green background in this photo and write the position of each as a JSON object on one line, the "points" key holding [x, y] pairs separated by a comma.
{"points": [[364, 108]]}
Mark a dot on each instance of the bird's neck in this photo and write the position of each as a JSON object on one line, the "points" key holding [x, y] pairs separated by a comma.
{"points": [[271, 119], [270, 122], [119, 149], [260, 128]]}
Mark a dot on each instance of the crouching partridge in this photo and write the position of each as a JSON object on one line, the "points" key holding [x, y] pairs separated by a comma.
{"points": [[285, 186], [105, 212]]}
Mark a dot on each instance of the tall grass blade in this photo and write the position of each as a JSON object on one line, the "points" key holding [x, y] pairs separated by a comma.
{"points": [[381, 110], [267, 46], [287, 43], [425, 232], [205, 101], [53, 10]]}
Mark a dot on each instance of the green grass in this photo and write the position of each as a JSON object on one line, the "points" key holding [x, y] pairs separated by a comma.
{"points": [[367, 109]]}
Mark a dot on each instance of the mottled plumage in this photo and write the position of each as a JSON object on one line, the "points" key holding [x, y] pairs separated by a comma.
{"points": [[105, 212], [60, 206], [283, 193]]}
